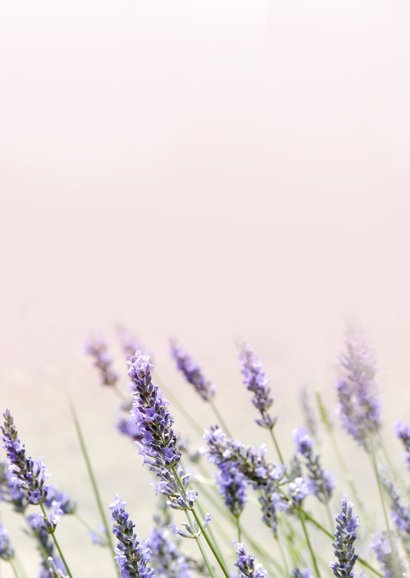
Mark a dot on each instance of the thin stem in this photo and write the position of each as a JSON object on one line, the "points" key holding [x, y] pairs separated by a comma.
{"points": [[282, 554], [19, 566], [383, 502], [238, 528], [202, 528], [277, 448], [13, 567], [211, 534], [219, 417], [56, 544], [329, 516], [201, 549], [309, 544], [94, 485]]}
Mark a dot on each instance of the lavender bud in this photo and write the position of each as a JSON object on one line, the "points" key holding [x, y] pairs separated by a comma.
{"points": [[132, 555], [232, 486], [359, 407], [403, 433], [345, 536], [388, 561], [246, 564], [6, 549], [320, 482], [97, 349], [192, 372], [27, 476], [256, 381], [167, 560]]}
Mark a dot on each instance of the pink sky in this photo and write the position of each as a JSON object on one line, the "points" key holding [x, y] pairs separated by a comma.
{"points": [[208, 170]]}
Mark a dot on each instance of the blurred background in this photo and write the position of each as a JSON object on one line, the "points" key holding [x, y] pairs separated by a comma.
{"points": [[210, 171]]}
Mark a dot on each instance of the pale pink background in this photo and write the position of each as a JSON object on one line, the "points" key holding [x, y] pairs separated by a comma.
{"points": [[207, 170]]}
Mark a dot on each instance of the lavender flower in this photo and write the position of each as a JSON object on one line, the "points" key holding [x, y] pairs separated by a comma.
{"points": [[359, 408], [320, 482], [158, 442], [56, 496], [298, 490], [28, 476], [192, 372], [306, 573], [46, 547], [388, 562], [265, 477], [98, 350], [256, 381], [246, 564], [403, 433], [132, 555], [167, 560], [99, 536], [6, 549], [345, 535], [399, 512], [232, 486]]}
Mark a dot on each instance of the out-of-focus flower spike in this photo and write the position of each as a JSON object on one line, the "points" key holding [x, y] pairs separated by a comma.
{"points": [[403, 433], [192, 372], [6, 549], [97, 349], [246, 564]]}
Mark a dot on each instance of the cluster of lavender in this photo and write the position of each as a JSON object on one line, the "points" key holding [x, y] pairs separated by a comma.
{"points": [[241, 473]]}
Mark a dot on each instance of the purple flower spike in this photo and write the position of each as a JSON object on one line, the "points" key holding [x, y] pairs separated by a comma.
{"points": [[132, 555], [192, 372], [246, 564], [233, 488], [27, 476], [256, 381], [345, 536], [403, 433], [97, 349], [359, 407], [320, 482], [166, 557], [6, 549]]}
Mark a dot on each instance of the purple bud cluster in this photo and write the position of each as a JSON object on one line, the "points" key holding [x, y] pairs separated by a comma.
{"points": [[40, 529], [403, 433], [158, 443], [27, 476], [166, 558], [320, 482], [97, 349], [264, 477], [192, 372], [306, 573], [345, 536], [389, 562], [399, 512], [359, 407], [256, 381], [132, 555], [232, 486], [6, 549], [246, 564]]}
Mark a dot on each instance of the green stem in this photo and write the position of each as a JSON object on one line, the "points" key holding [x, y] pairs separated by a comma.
{"points": [[56, 544], [94, 485], [238, 528], [329, 516], [19, 566], [219, 417], [201, 549], [202, 528], [277, 448], [309, 544], [13, 567], [383, 502], [282, 554]]}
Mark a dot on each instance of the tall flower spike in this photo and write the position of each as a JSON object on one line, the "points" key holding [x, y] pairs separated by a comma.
{"points": [[320, 482], [359, 407], [6, 549], [132, 555], [246, 564], [158, 443], [192, 372], [403, 433], [27, 476], [166, 558], [45, 546], [232, 486], [264, 477], [256, 381], [381, 547], [399, 512], [97, 349], [345, 536]]}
